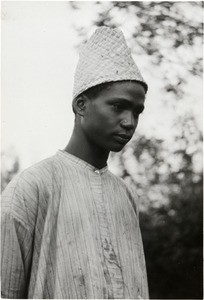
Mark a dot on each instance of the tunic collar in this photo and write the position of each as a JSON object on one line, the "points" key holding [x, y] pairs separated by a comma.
{"points": [[81, 162]]}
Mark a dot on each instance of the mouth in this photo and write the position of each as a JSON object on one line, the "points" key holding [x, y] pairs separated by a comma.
{"points": [[122, 138]]}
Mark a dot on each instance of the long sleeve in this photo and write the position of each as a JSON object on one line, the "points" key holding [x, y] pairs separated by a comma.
{"points": [[16, 244]]}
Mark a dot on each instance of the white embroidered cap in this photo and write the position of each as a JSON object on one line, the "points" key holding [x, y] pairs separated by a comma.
{"points": [[105, 57]]}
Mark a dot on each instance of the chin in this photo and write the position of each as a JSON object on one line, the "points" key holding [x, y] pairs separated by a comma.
{"points": [[117, 148]]}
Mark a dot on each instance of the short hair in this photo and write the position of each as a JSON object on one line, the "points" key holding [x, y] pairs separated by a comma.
{"points": [[93, 91]]}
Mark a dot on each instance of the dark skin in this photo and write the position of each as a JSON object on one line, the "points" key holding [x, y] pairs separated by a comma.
{"points": [[107, 122]]}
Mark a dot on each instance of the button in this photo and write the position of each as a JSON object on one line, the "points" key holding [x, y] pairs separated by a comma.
{"points": [[97, 171]]}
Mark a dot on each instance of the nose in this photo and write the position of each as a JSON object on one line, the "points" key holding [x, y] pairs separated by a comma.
{"points": [[128, 122]]}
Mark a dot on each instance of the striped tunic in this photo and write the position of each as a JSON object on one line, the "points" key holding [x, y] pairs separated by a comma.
{"points": [[71, 231]]}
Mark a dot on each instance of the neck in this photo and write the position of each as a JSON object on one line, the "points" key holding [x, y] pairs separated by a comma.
{"points": [[82, 148]]}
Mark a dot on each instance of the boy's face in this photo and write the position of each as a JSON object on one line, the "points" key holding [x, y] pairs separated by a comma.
{"points": [[111, 118]]}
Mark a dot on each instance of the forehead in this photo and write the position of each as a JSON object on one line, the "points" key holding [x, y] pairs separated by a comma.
{"points": [[127, 90]]}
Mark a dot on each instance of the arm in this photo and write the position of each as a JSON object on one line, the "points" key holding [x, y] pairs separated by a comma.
{"points": [[16, 243]]}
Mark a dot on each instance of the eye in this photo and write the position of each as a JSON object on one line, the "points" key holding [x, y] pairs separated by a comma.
{"points": [[118, 107], [138, 112], [136, 115]]}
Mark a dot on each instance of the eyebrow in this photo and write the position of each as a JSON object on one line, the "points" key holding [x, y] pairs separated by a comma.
{"points": [[138, 107]]}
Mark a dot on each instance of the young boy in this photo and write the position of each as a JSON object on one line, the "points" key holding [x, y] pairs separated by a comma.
{"points": [[70, 228]]}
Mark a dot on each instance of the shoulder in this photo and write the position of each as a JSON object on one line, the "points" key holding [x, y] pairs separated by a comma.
{"points": [[22, 196], [118, 180], [40, 171], [33, 176], [129, 190]]}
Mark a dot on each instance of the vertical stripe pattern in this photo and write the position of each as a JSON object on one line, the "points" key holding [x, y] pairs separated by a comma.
{"points": [[70, 231]]}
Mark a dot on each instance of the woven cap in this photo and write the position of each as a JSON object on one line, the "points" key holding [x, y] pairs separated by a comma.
{"points": [[105, 57]]}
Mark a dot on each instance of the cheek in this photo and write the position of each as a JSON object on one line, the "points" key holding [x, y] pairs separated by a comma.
{"points": [[100, 121], [104, 118]]}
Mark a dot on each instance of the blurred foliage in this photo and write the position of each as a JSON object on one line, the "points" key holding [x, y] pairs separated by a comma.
{"points": [[167, 173], [171, 212]]}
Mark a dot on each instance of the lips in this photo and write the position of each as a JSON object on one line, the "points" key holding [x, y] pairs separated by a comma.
{"points": [[122, 138]]}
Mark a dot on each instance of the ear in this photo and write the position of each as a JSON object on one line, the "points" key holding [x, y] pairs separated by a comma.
{"points": [[79, 104]]}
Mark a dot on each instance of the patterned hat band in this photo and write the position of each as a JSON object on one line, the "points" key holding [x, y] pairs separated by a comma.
{"points": [[105, 57]]}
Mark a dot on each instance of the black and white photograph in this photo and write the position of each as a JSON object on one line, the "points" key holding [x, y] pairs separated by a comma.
{"points": [[102, 150]]}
